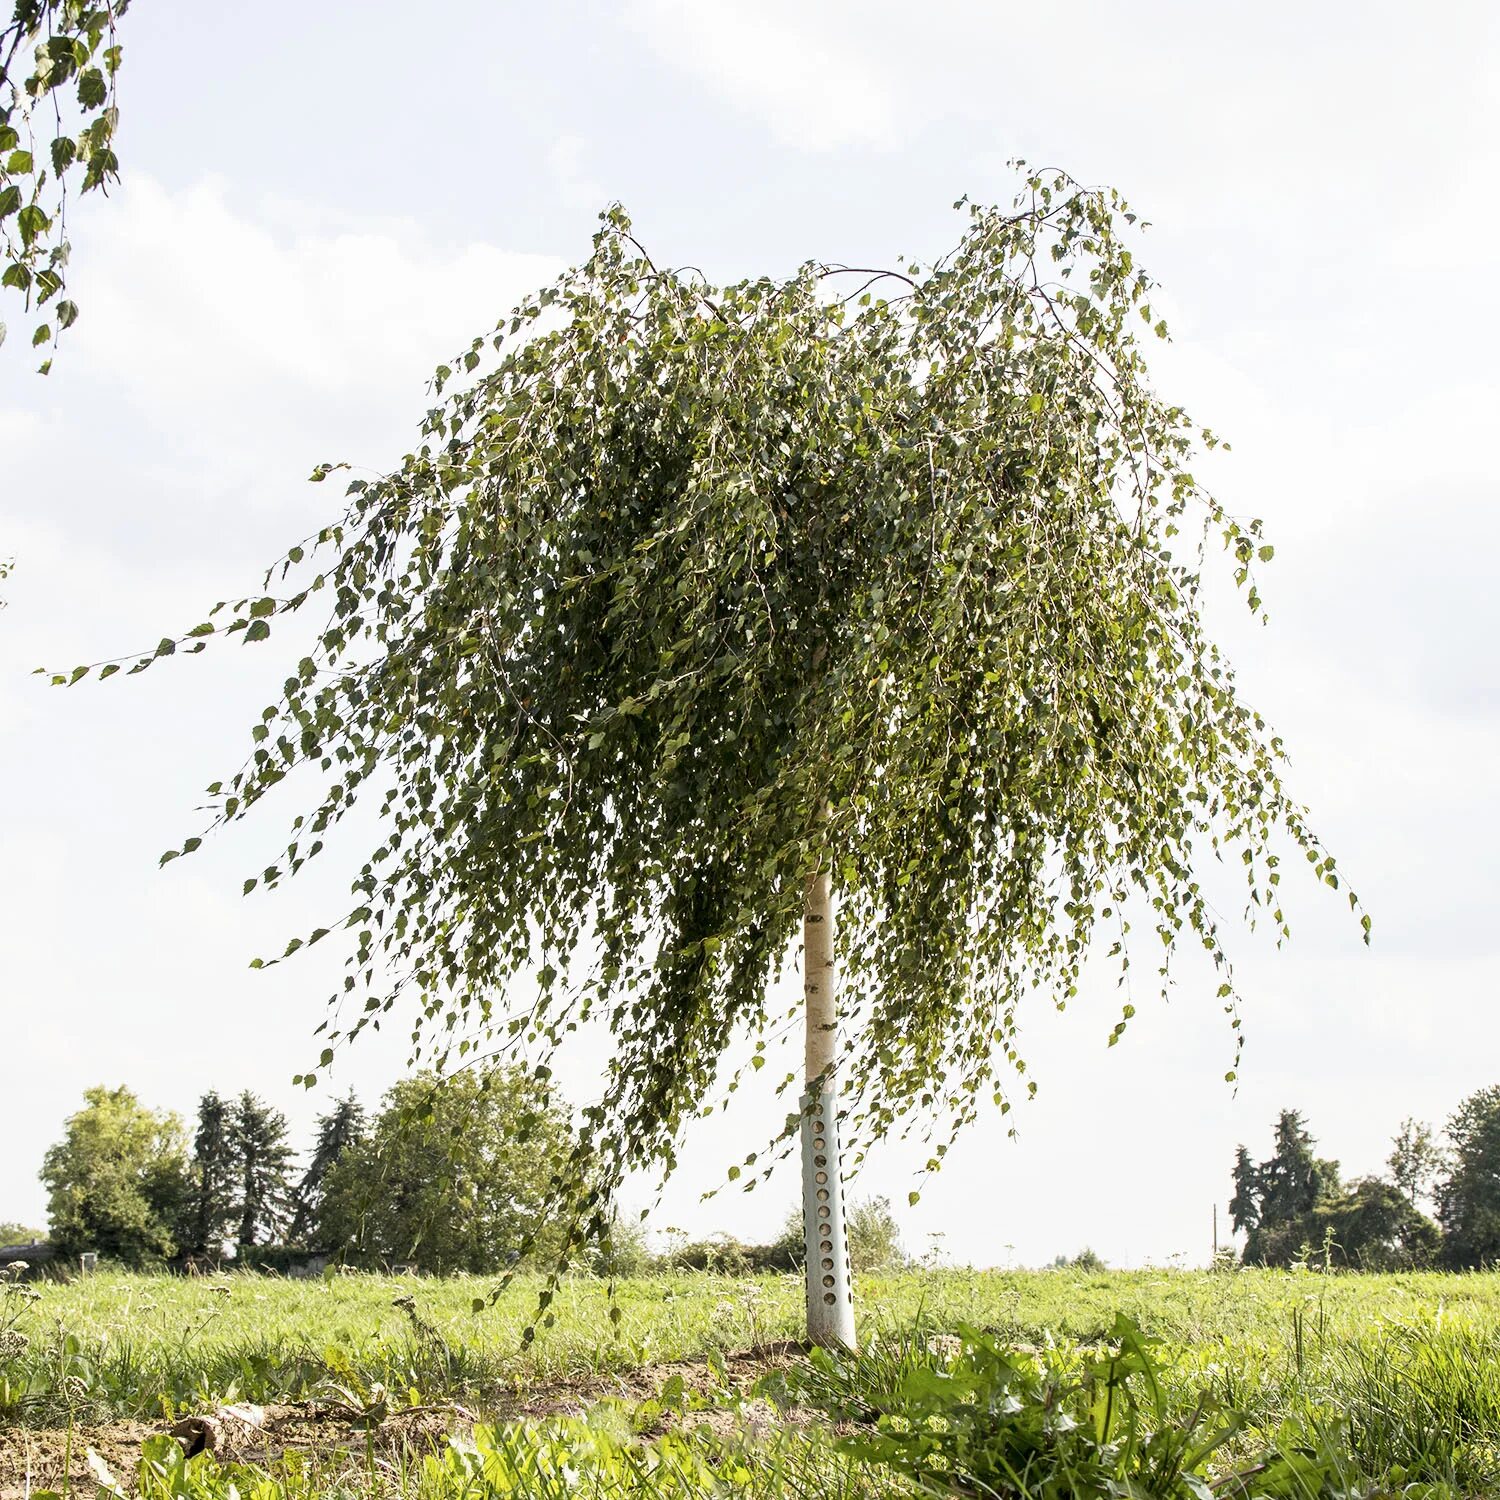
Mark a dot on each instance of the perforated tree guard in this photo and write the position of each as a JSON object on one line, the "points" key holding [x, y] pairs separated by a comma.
{"points": [[830, 1302]]}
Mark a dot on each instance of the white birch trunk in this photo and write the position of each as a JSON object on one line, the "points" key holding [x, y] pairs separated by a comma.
{"points": [[830, 1304]]}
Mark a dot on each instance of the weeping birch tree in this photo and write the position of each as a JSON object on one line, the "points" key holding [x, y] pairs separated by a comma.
{"points": [[704, 615]]}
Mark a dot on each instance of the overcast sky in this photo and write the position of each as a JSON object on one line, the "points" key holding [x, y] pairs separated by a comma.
{"points": [[320, 202]]}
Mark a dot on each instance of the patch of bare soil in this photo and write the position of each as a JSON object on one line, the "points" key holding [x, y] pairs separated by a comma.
{"points": [[34, 1458], [741, 1369]]}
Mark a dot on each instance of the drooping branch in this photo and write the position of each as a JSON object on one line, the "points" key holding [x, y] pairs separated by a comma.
{"points": [[73, 46]]}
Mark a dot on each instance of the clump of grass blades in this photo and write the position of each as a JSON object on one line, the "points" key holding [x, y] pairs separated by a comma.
{"points": [[1421, 1404], [971, 1416]]}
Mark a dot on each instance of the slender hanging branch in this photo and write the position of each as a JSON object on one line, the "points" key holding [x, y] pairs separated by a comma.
{"points": [[58, 64]]}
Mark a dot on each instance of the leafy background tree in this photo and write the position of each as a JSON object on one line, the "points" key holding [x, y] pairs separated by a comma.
{"points": [[118, 1180], [1468, 1195], [263, 1161], [1372, 1225], [457, 1174], [343, 1127], [214, 1173], [12, 1232], [702, 605], [1294, 1207], [1415, 1161]]}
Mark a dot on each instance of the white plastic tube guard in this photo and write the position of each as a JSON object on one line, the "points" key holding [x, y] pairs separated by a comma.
{"points": [[830, 1300]]}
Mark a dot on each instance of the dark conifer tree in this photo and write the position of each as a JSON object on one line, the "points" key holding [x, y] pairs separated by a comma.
{"points": [[215, 1174], [1244, 1207], [265, 1166], [1276, 1202], [343, 1126], [1296, 1177]]}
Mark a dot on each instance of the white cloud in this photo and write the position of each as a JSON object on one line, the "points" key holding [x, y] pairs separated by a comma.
{"points": [[221, 353], [215, 326], [780, 61]]}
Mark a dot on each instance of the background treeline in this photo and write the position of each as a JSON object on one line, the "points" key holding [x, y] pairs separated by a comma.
{"points": [[458, 1175], [450, 1175], [1437, 1205]]}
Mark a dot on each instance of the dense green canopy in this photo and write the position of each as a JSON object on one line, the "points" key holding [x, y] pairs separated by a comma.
{"points": [[117, 1181], [1468, 1197], [454, 1175], [689, 589]]}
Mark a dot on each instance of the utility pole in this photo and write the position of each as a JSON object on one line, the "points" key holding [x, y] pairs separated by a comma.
{"points": [[1215, 1260]]}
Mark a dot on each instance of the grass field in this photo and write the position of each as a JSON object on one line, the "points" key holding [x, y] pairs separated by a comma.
{"points": [[1325, 1385]]}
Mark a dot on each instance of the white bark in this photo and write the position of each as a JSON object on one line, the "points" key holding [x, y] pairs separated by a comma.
{"points": [[830, 1305]]}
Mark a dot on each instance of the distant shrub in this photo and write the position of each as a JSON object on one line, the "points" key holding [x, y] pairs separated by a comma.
{"points": [[874, 1237], [728, 1256], [1087, 1259], [870, 1226], [628, 1252]]}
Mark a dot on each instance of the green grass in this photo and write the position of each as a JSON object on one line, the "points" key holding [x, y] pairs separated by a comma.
{"points": [[134, 1340], [1393, 1380]]}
